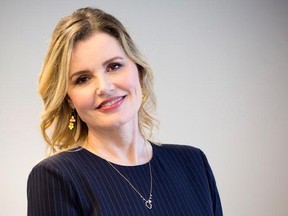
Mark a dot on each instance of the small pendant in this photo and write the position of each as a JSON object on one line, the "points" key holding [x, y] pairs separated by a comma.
{"points": [[148, 204]]}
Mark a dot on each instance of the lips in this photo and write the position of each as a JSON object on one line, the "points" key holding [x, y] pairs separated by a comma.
{"points": [[111, 102]]}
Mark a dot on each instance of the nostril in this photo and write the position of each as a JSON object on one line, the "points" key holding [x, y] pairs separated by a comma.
{"points": [[106, 89]]}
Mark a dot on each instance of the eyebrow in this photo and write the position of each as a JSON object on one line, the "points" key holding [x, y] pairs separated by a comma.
{"points": [[104, 64], [112, 59]]}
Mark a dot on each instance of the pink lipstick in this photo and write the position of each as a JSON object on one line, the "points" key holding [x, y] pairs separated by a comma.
{"points": [[111, 103]]}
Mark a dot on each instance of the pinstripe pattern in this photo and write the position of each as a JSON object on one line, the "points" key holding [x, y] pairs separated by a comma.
{"points": [[80, 183]]}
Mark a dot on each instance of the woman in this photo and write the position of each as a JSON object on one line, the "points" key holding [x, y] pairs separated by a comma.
{"points": [[97, 93]]}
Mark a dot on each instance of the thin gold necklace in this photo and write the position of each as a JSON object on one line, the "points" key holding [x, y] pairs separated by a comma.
{"points": [[148, 202]]}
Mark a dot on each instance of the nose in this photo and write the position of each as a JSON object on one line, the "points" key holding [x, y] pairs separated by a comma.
{"points": [[104, 86]]}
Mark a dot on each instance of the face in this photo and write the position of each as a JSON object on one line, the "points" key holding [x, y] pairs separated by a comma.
{"points": [[104, 85]]}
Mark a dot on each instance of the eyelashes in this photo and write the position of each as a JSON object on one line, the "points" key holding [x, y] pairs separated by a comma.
{"points": [[82, 79], [86, 76], [114, 66]]}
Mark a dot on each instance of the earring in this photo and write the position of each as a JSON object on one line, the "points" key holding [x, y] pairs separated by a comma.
{"points": [[71, 121], [144, 97]]}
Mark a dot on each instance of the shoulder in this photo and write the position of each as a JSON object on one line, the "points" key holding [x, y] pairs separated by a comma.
{"points": [[192, 163], [60, 163], [178, 149], [175, 147], [187, 156]]}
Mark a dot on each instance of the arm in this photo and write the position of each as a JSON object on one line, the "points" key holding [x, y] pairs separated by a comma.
{"points": [[50, 193]]}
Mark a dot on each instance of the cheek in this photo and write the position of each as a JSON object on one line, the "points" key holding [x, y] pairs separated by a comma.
{"points": [[132, 84], [81, 100], [132, 80]]}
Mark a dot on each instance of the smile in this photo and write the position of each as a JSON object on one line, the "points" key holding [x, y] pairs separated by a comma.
{"points": [[111, 103]]}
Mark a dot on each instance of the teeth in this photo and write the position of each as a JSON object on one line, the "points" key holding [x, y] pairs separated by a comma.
{"points": [[111, 102]]}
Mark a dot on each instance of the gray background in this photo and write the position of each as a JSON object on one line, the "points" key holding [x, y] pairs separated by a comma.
{"points": [[221, 80]]}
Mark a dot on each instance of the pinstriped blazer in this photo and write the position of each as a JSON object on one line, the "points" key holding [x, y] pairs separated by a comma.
{"points": [[80, 183]]}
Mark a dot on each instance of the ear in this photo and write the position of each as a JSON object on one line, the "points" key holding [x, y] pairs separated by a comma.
{"points": [[140, 73], [70, 103]]}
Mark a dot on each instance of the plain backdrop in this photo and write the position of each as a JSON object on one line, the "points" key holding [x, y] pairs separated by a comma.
{"points": [[221, 79]]}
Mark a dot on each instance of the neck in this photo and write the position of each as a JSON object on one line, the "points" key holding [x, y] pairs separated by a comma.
{"points": [[120, 148]]}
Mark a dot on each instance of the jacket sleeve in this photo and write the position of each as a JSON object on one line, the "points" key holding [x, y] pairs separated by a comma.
{"points": [[50, 193], [217, 207]]}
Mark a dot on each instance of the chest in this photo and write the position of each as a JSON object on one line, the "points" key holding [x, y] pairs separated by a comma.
{"points": [[177, 190]]}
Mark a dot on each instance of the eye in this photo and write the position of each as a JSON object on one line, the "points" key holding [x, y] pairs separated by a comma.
{"points": [[82, 79], [114, 67]]}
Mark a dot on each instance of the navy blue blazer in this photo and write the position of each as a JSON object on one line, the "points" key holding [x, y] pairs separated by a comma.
{"points": [[78, 183]]}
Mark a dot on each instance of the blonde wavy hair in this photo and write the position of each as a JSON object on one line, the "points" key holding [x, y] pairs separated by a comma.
{"points": [[53, 81]]}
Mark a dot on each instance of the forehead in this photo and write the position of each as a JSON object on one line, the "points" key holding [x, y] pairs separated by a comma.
{"points": [[95, 49]]}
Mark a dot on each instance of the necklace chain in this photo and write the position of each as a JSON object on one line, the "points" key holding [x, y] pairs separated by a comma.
{"points": [[148, 202]]}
